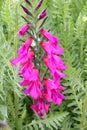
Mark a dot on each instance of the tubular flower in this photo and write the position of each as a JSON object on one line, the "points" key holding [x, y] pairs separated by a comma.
{"points": [[40, 108], [53, 92], [38, 85], [57, 97], [49, 48], [25, 46], [49, 36], [23, 59], [54, 62], [33, 90]]}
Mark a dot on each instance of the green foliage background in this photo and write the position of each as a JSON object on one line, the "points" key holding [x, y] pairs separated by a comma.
{"points": [[67, 19]]}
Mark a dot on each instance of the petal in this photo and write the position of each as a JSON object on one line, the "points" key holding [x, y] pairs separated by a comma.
{"points": [[56, 62], [15, 61], [24, 83], [57, 75], [25, 46], [50, 84], [57, 97], [33, 90], [52, 49], [47, 108], [47, 47], [49, 36]]}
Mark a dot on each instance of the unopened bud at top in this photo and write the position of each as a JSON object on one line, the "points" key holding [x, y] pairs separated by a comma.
{"points": [[43, 14], [26, 11], [39, 5], [27, 1]]}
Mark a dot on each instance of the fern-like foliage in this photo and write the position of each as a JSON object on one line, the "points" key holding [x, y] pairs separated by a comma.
{"points": [[50, 123], [65, 20]]}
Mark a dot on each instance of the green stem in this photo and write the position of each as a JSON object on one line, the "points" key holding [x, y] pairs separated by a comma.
{"points": [[81, 51]]}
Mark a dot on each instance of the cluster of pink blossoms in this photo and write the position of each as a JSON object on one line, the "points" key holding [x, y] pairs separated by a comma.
{"points": [[46, 90]]}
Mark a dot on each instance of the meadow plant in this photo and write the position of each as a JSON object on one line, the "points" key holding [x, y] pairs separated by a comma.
{"points": [[44, 87]]}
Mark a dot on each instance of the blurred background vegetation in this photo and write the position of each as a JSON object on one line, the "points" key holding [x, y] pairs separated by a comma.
{"points": [[67, 19]]}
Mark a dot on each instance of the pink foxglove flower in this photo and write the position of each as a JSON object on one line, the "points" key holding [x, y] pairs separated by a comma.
{"points": [[57, 97], [23, 30], [40, 108], [52, 88], [32, 79], [23, 59], [51, 49], [49, 83], [53, 95], [25, 83], [34, 90], [26, 68], [42, 15], [49, 36], [33, 75], [25, 46], [54, 62], [38, 85], [58, 75]]}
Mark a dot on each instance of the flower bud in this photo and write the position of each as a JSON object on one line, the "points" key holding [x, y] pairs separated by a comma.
{"points": [[39, 4], [27, 1], [23, 30], [43, 14], [26, 11]]}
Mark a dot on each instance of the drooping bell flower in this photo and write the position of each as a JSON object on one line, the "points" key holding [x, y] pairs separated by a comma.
{"points": [[33, 75], [24, 48], [53, 93], [49, 36], [34, 90], [23, 30], [49, 83], [51, 49], [26, 67], [54, 62], [40, 108], [57, 97], [23, 59], [58, 75], [33, 79]]}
